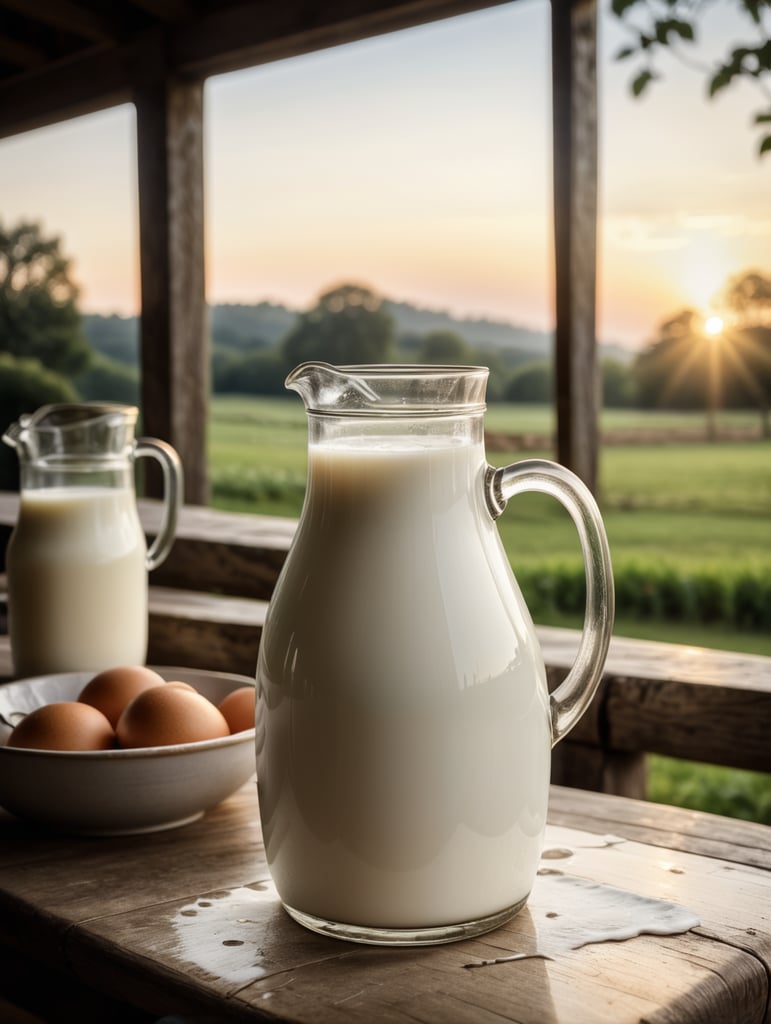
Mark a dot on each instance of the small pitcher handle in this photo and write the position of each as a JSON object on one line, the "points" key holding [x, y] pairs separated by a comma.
{"points": [[573, 695], [171, 466]]}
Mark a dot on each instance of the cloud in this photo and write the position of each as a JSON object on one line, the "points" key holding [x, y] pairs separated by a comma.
{"points": [[643, 234], [655, 234]]}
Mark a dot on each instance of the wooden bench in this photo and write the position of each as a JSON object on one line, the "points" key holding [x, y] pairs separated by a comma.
{"points": [[207, 608]]}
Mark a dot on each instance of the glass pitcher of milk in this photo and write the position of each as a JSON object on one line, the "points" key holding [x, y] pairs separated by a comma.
{"points": [[404, 725], [77, 560]]}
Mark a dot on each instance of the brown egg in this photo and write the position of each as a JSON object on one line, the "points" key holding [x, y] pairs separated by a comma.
{"points": [[238, 708], [165, 715], [110, 691], [64, 725], [182, 686]]}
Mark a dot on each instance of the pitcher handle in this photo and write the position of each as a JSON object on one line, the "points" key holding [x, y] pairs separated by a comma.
{"points": [[573, 695], [171, 467]]}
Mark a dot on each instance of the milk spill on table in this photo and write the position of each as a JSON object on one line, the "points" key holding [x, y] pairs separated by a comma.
{"points": [[77, 581], [404, 775]]}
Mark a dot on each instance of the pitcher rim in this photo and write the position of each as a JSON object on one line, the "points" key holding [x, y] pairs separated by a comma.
{"points": [[98, 410], [390, 389]]}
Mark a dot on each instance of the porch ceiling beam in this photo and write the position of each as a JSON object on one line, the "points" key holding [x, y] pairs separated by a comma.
{"points": [[69, 88], [166, 10], [68, 16], [224, 40], [21, 55], [248, 34]]}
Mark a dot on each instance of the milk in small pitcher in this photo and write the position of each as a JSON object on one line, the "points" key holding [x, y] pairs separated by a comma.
{"points": [[77, 560], [77, 581]]}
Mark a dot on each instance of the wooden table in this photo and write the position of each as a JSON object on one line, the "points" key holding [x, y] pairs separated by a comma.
{"points": [[186, 922]]}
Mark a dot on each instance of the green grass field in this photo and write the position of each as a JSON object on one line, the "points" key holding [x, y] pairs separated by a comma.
{"points": [[687, 505], [684, 508]]}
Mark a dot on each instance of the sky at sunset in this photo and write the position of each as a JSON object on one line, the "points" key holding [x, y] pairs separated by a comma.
{"points": [[419, 163]]}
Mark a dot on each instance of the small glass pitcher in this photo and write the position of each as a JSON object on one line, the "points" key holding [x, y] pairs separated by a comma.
{"points": [[77, 560], [404, 725]]}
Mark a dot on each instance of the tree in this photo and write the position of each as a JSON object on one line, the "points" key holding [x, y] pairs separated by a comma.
{"points": [[444, 347], [747, 298], [664, 24], [107, 380], [347, 325], [677, 369], [617, 385], [25, 385], [259, 373], [534, 382], [687, 368], [39, 317]]}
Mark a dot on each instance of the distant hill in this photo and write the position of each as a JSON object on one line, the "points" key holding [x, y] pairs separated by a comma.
{"points": [[245, 327], [241, 328], [481, 333]]}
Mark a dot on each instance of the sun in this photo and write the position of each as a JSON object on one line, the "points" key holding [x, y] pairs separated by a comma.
{"points": [[713, 326]]}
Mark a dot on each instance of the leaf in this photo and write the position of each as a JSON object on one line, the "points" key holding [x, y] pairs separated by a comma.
{"points": [[720, 80], [683, 28], [675, 26], [765, 145], [620, 6], [752, 7], [762, 118], [626, 51], [641, 82]]}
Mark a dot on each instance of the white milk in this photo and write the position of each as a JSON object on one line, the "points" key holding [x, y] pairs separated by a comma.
{"points": [[77, 583], [403, 733]]}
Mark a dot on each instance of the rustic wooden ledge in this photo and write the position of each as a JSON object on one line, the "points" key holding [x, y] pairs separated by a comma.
{"points": [[207, 609], [92, 930]]}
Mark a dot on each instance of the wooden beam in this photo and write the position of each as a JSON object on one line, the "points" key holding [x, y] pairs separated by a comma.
{"points": [[166, 10], [222, 40], [20, 54], [67, 16], [243, 35], [574, 74], [174, 346], [69, 88]]}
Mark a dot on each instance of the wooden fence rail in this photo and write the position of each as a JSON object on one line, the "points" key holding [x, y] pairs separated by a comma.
{"points": [[208, 603]]}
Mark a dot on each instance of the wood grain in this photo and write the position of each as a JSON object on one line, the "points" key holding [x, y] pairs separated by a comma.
{"points": [[186, 921], [174, 339], [574, 123]]}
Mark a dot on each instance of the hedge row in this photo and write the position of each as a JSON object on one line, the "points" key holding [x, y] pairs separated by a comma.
{"points": [[738, 598], [253, 486], [741, 599]]}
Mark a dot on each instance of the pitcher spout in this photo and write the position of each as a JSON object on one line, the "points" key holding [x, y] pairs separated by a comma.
{"points": [[327, 388], [14, 434]]}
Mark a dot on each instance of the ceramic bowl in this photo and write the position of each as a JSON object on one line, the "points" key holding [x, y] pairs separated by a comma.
{"points": [[117, 792]]}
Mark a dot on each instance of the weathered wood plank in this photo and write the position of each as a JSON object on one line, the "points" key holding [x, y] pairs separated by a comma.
{"points": [[194, 631], [202, 932], [708, 835], [224, 552], [689, 702]]}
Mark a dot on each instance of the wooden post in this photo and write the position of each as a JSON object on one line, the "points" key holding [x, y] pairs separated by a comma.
{"points": [[574, 74], [174, 350]]}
